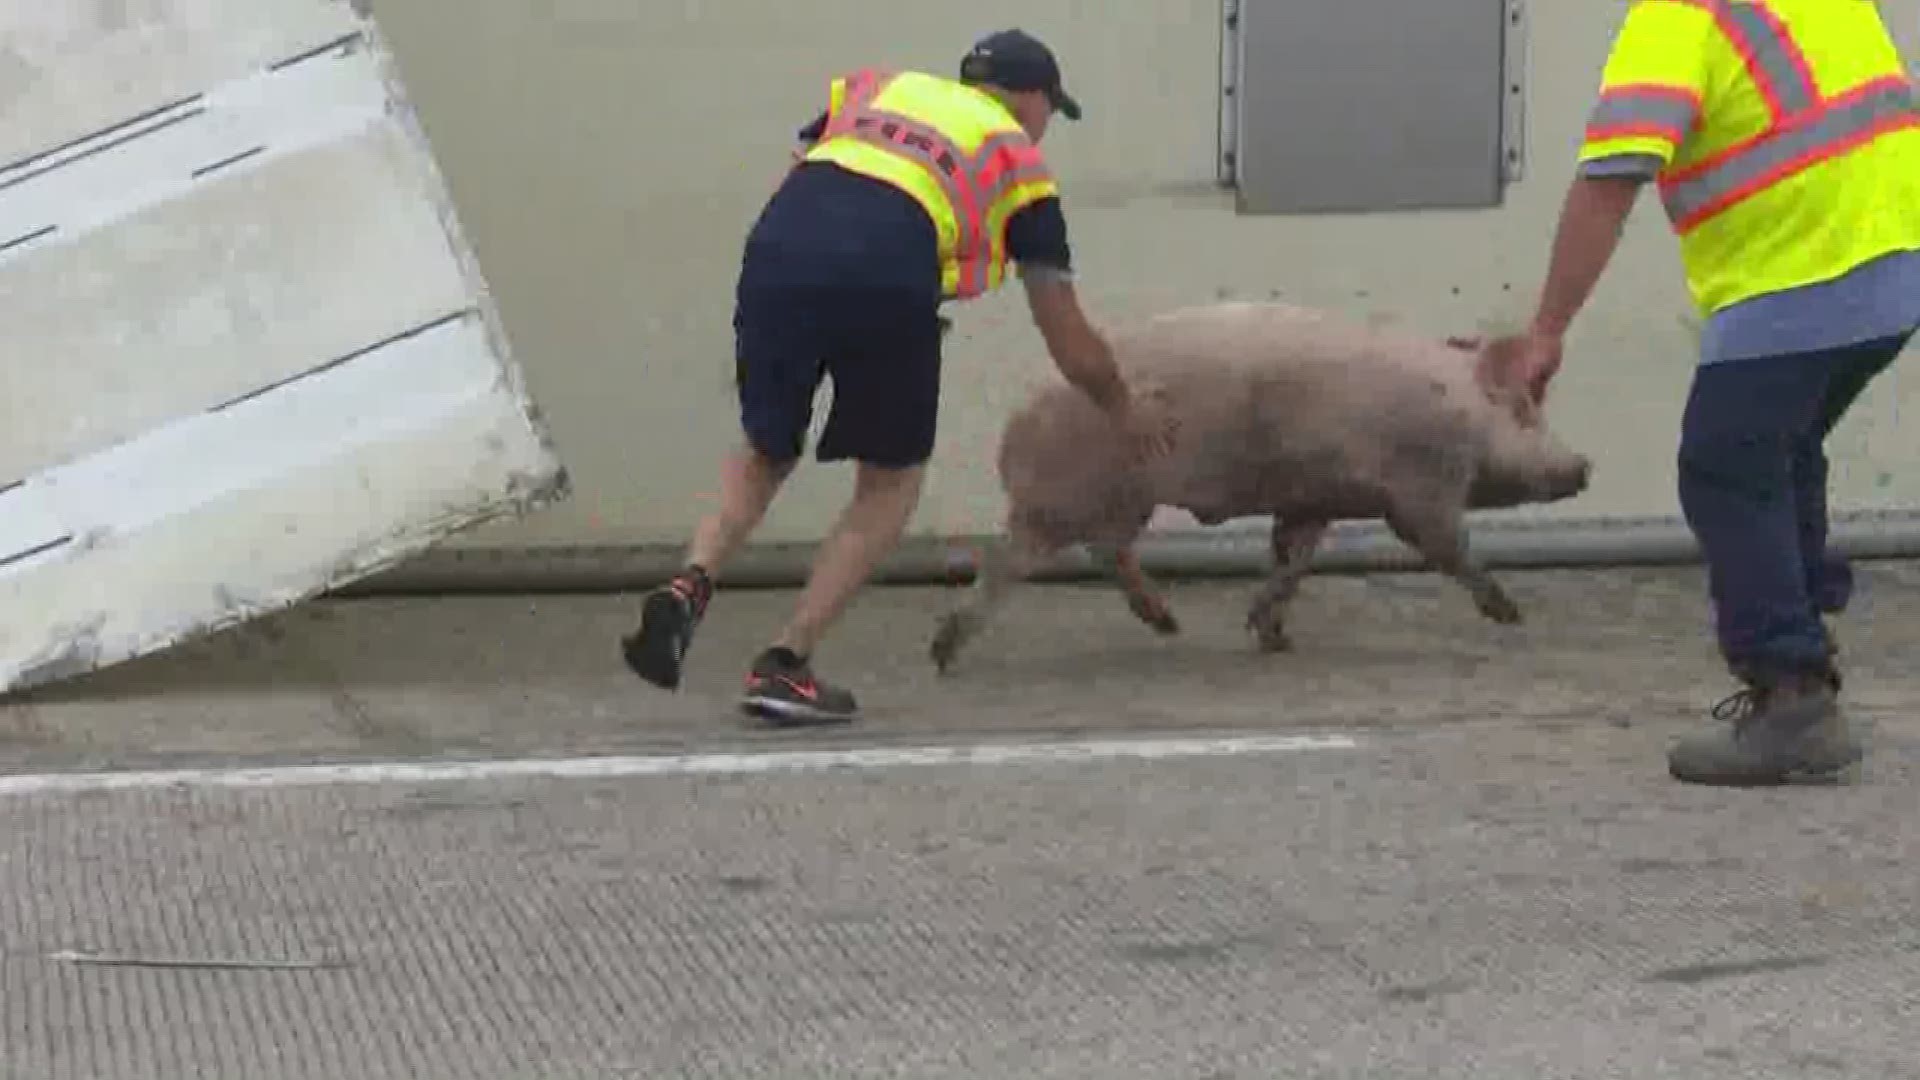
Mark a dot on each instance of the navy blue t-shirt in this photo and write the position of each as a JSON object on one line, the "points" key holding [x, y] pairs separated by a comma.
{"points": [[872, 233]]}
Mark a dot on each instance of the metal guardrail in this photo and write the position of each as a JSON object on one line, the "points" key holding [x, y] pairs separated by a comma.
{"points": [[1231, 550]]}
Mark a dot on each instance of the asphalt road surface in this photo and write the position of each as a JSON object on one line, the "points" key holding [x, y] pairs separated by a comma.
{"points": [[1419, 846]]}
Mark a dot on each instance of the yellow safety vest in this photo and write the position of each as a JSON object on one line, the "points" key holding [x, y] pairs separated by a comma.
{"points": [[954, 149], [1787, 131]]}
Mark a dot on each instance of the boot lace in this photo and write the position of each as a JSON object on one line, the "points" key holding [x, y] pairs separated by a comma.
{"points": [[1740, 706]]}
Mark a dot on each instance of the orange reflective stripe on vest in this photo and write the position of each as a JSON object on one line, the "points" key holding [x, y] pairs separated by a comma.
{"points": [[927, 147], [1806, 128], [1005, 161], [974, 185]]}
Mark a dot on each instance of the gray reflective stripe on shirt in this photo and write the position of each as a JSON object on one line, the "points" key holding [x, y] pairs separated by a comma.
{"points": [[1762, 41], [1785, 151], [1635, 110], [1045, 271], [1637, 166]]}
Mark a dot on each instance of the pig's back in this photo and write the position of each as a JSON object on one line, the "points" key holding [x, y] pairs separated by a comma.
{"points": [[1293, 371], [1265, 393], [1300, 405], [1264, 338]]}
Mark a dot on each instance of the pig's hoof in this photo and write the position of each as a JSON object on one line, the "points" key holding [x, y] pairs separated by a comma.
{"points": [[1269, 631], [946, 644], [954, 631], [1155, 613], [1272, 638], [1501, 609]]}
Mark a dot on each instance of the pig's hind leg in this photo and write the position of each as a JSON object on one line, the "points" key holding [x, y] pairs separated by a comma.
{"points": [[1005, 564], [1144, 599], [1293, 546], [1436, 528]]}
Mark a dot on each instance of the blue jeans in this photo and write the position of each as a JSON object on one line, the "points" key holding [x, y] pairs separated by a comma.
{"points": [[1753, 487]]}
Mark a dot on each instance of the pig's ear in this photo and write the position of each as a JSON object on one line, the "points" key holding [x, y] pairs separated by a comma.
{"points": [[1492, 369], [1525, 407], [1499, 363], [1501, 375]]}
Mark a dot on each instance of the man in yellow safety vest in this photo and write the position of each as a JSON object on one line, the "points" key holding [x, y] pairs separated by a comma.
{"points": [[1784, 139], [909, 190]]}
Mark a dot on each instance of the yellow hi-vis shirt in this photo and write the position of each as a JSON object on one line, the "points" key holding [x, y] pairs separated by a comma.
{"points": [[1785, 138]]}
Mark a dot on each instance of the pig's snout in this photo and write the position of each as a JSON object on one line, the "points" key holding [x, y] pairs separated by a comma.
{"points": [[1568, 475]]}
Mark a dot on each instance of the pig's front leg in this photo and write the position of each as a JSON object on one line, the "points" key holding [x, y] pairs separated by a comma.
{"points": [[1143, 598], [1438, 531], [1006, 564], [1293, 545]]}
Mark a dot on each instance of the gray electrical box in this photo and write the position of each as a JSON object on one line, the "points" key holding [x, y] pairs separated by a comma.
{"points": [[1370, 105]]}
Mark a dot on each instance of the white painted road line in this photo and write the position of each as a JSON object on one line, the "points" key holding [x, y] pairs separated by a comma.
{"points": [[610, 768]]}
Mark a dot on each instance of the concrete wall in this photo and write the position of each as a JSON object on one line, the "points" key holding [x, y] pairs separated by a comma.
{"points": [[609, 155]]}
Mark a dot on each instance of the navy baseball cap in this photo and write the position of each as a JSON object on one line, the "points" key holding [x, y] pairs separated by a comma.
{"points": [[1016, 60]]}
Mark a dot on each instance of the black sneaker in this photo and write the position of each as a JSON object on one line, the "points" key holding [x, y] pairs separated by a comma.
{"points": [[667, 620], [781, 689]]}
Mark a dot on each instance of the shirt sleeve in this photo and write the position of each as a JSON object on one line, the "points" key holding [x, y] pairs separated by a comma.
{"points": [[812, 132], [1037, 238], [1651, 91]]}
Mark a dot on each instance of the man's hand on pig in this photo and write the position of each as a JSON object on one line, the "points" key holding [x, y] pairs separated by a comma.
{"points": [[1527, 360], [1149, 425]]}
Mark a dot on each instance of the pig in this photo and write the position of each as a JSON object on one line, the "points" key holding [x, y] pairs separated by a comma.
{"points": [[1282, 410]]}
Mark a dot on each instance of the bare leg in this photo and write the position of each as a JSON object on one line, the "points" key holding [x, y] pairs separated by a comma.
{"points": [[1143, 597], [655, 651], [1005, 564], [1440, 535], [748, 482], [883, 501], [1293, 546]]}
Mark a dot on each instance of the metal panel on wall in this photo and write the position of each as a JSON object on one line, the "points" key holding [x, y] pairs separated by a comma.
{"points": [[1420, 109]]}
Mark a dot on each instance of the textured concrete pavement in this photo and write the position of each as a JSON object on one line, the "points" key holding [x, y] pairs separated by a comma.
{"points": [[538, 675], [1496, 881]]}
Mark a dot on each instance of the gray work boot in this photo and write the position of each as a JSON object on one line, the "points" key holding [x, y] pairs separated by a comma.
{"points": [[1777, 733]]}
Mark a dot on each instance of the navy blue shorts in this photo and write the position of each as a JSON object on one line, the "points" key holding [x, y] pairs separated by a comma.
{"points": [[880, 348]]}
